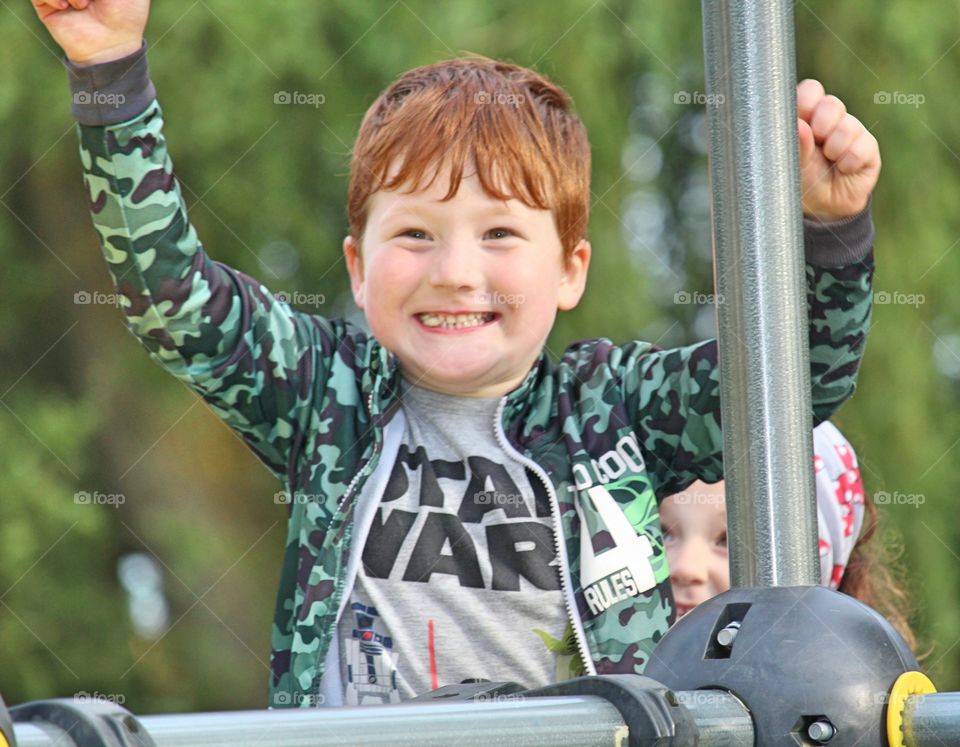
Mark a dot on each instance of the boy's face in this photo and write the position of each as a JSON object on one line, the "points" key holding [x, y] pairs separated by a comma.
{"points": [[463, 292], [694, 526]]}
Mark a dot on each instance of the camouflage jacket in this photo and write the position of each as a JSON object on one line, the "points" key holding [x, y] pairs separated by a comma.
{"points": [[607, 429]]}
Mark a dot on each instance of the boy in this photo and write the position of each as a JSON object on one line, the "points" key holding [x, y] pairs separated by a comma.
{"points": [[454, 490]]}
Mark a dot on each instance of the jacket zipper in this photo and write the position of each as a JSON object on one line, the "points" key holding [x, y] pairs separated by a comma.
{"points": [[348, 493], [332, 632], [558, 541]]}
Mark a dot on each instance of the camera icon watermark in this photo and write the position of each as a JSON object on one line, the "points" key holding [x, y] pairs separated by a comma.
{"points": [[96, 298], [498, 97], [299, 98], [297, 700], [499, 697], [513, 300], [696, 98], [494, 498], [882, 698], [96, 498], [296, 298], [899, 98], [285, 498], [703, 698], [698, 498], [896, 498], [686, 298], [99, 98], [897, 298], [98, 697]]}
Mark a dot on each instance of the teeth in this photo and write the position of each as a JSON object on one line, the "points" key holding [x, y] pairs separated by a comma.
{"points": [[455, 321]]}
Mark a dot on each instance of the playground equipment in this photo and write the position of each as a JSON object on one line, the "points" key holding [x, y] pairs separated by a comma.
{"points": [[778, 661]]}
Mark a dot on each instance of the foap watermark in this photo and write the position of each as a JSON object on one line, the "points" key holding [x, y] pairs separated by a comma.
{"points": [[896, 498], [687, 298], [299, 98], [696, 98], [282, 497], [96, 498], [513, 300], [99, 98], [498, 97], [98, 697], [499, 697], [96, 298], [494, 498], [882, 698], [897, 298], [284, 699], [698, 498], [900, 98], [296, 298], [704, 698]]}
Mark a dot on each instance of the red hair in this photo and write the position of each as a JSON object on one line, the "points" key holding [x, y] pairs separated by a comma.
{"points": [[513, 126]]}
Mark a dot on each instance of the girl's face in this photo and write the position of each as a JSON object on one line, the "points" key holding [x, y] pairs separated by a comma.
{"points": [[695, 536]]}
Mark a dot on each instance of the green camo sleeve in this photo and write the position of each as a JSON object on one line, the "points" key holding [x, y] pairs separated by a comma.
{"points": [[676, 393], [252, 358]]}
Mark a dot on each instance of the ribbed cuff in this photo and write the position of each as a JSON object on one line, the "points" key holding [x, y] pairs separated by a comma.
{"points": [[841, 242], [111, 92]]}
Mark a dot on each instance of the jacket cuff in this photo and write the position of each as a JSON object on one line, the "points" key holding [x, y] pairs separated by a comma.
{"points": [[841, 242], [111, 92]]}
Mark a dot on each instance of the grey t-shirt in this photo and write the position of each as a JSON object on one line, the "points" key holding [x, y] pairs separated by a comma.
{"points": [[460, 566]]}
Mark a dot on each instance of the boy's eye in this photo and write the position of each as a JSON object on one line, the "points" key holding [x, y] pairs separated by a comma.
{"points": [[415, 233], [499, 233], [722, 540], [668, 534]]}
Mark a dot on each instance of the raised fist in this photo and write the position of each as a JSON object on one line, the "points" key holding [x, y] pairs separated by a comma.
{"points": [[839, 157], [92, 31]]}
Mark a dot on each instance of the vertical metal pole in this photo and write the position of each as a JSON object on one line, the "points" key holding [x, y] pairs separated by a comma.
{"points": [[761, 292]]}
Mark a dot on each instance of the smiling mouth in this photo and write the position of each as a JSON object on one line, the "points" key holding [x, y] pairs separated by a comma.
{"points": [[456, 321]]}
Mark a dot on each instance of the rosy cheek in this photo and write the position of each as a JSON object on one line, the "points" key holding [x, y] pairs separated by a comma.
{"points": [[389, 277]]}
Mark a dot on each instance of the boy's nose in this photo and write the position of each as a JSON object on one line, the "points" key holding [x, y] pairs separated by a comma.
{"points": [[456, 266], [688, 563]]}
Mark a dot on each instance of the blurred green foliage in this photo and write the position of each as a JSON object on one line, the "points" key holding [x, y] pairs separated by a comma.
{"points": [[83, 409]]}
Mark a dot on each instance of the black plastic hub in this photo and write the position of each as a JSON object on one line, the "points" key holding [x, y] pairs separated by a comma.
{"points": [[801, 654]]}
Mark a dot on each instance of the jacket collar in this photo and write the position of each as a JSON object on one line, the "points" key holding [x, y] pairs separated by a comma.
{"points": [[381, 385]]}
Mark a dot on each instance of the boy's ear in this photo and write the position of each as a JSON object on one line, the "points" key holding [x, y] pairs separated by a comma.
{"points": [[574, 278], [351, 251]]}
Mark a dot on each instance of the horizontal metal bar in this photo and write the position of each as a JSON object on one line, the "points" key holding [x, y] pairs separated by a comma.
{"points": [[507, 720], [41, 735], [932, 720], [721, 719], [515, 721], [528, 722]]}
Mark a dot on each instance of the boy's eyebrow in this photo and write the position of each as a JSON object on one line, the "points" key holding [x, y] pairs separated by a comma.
{"points": [[412, 211]]}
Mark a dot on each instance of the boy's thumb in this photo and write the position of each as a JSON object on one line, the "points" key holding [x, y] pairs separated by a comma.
{"points": [[807, 144]]}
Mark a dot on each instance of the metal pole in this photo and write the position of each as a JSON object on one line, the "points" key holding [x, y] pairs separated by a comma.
{"points": [[562, 721], [526, 722], [761, 292], [721, 719], [931, 720]]}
